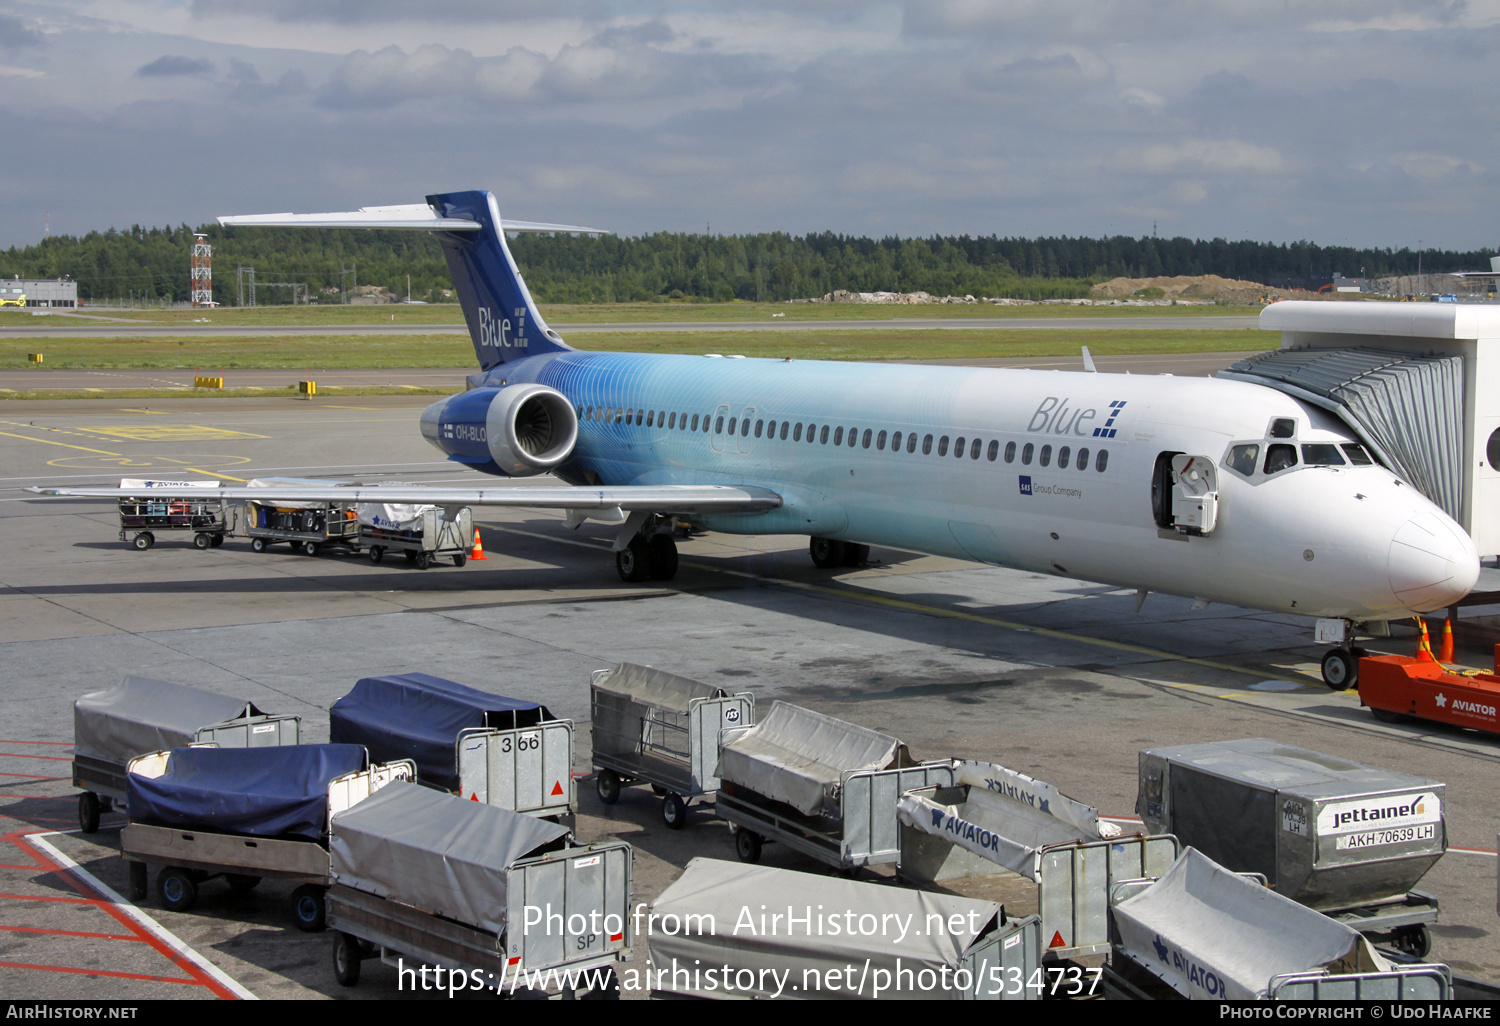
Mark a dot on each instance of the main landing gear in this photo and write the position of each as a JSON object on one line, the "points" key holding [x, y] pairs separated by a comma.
{"points": [[647, 556], [829, 553]]}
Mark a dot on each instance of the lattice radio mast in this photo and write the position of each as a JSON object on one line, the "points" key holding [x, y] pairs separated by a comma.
{"points": [[202, 272]]}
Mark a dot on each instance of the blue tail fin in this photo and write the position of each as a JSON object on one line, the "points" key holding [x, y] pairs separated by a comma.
{"points": [[504, 322]]}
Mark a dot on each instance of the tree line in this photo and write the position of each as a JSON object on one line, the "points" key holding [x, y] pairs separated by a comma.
{"points": [[152, 264]]}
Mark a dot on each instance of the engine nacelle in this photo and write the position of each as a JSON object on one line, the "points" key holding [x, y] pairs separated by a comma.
{"points": [[519, 430]]}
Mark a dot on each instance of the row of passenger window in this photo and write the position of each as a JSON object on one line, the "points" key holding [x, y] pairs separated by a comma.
{"points": [[837, 435]]}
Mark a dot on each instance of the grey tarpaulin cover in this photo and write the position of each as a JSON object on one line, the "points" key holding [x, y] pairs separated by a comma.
{"points": [[1209, 933], [628, 694], [797, 756], [435, 851], [140, 715], [734, 893], [1007, 817]]}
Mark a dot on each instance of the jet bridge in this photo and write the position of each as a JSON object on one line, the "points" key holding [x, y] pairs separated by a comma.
{"points": [[1418, 383]]}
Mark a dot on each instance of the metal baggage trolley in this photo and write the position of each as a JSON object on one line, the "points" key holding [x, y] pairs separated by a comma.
{"points": [[309, 527], [140, 715], [655, 727], [218, 825], [819, 785], [482, 891], [432, 534], [508, 752], [157, 508]]}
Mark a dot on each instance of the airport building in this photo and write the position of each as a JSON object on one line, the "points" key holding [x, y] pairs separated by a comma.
{"points": [[39, 292]]}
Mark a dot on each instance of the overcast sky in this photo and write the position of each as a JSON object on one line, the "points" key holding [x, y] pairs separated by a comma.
{"points": [[1360, 123]]}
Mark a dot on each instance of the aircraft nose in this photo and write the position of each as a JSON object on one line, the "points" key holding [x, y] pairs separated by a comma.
{"points": [[1433, 563]]}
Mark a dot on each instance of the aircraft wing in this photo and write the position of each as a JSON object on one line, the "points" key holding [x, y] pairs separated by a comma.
{"points": [[414, 216], [625, 498]]}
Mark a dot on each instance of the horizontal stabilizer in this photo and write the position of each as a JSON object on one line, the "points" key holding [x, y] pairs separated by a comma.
{"points": [[648, 498], [411, 216]]}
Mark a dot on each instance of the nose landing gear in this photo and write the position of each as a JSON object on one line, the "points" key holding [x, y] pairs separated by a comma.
{"points": [[1341, 663]]}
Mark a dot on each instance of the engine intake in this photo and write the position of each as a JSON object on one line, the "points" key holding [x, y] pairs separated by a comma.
{"points": [[530, 429]]}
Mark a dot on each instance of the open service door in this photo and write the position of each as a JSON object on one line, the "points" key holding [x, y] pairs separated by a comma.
{"points": [[1185, 493]]}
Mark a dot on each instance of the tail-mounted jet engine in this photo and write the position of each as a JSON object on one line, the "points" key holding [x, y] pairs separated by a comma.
{"points": [[519, 430]]}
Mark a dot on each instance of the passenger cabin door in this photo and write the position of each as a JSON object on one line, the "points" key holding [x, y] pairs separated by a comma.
{"points": [[744, 439], [1185, 493], [716, 437]]}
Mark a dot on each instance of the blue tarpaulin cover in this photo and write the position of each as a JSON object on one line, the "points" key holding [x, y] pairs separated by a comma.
{"points": [[263, 792], [418, 717]]}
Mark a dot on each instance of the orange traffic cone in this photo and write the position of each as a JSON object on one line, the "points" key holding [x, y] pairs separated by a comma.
{"points": [[1445, 647], [1424, 646], [478, 551]]}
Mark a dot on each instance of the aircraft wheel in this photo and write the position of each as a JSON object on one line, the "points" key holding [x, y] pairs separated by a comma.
{"points": [[1340, 669], [747, 845], [827, 554], [257, 545], [202, 541], [856, 555], [88, 812], [663, 557], [345, 959], [607, 783], [176, 888], [633, 562], [673, 812]]}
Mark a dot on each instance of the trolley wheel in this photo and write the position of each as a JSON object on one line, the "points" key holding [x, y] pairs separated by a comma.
{"points": [[377, 553], [88, 812], [309, 908], [1386, 716], [1340, 669], [257, 545], [747, 845], [607, 783], [1416, 941], [423, 561], [241, 883], [144, 541], [216, 540], [663, 557], [345, 959], [411, 556], [459, 559], [633, 562], [826, 553], [202, 541], [138, 886], [674, 812], [176, 888], [310, 548]]}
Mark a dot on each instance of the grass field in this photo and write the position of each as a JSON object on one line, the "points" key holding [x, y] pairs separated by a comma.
{"points": [[335, 352], [633, 313]]}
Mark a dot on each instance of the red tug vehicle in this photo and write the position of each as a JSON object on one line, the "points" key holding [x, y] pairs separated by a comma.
{"points": [[1397, 687]]}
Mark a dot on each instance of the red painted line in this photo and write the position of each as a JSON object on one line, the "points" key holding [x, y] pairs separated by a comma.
{"points": [[23, 755], [68, 933], [9, 741], [1472, 851], [198, 975], [100, 972], [30, 776]]}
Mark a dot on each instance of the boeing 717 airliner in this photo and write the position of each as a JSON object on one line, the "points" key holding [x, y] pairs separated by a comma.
{"points": [[1222, 491]]}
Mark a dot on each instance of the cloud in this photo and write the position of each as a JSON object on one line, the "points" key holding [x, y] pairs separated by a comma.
{"points": [[1216, 156], [171, 64], [14, 34], [365, 11]]}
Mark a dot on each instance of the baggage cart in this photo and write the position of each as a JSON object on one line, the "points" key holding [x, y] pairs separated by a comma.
{"points": [[1349, 840], [507, 752], [1170, 941], [821, 786], [244, 816], [158, 508], [703, 946], [424, 538], [659, 728], [309, 527], [475, 889], [140, 715]]}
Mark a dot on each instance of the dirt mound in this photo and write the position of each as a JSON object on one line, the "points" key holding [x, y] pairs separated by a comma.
{"points": [[1183, 286]]}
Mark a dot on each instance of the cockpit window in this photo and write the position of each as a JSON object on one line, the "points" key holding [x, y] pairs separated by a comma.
{"points": [[1357, 455], [1322, 455], [1284, 427], [1242, 459], [1280, 457]]}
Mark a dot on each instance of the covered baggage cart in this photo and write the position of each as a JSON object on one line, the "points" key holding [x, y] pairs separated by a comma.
{"points": [[713, 936], [473, 888], [1171, 941], [140, 715], [245, 815], [1349, 840], [309, 527], [423, 534], [163, 506], [655, 727], [508, 752], [819, 785]]}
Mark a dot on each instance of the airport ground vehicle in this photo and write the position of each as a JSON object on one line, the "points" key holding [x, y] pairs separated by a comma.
{"points": [[153, 507], [140, 715], [659, 728], [1396, 688], [310, 530], [424, 539]]}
